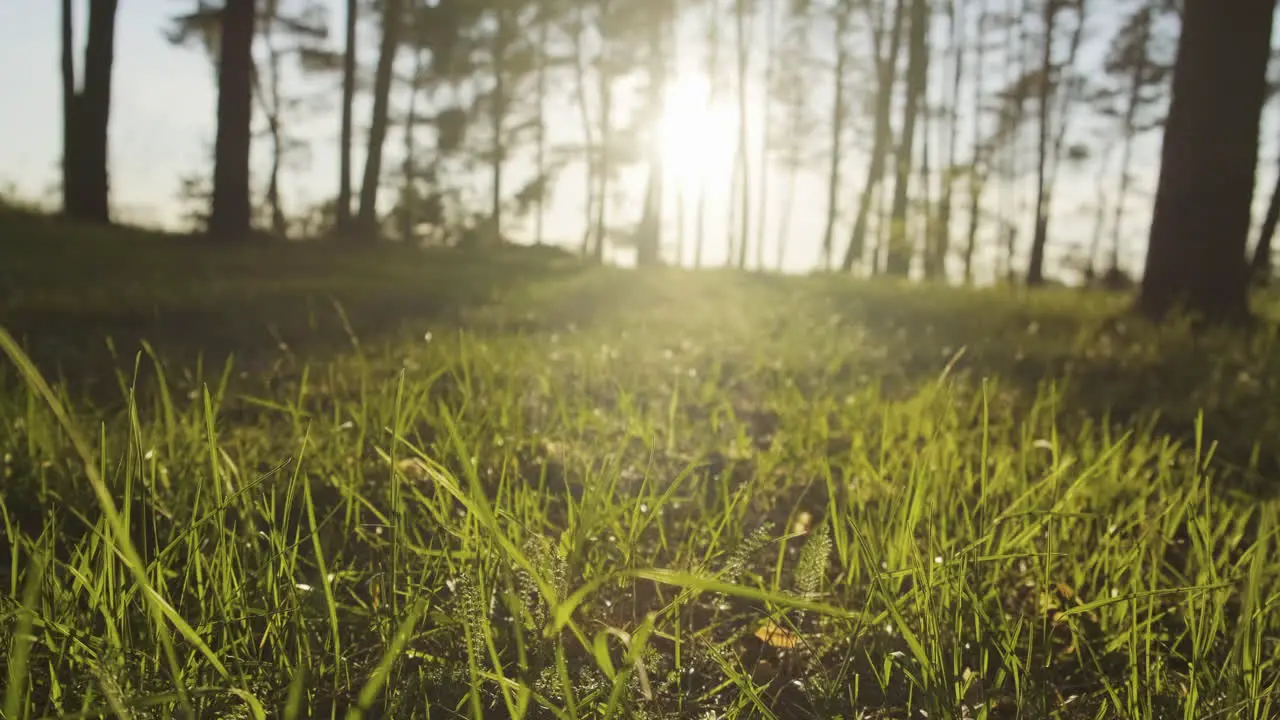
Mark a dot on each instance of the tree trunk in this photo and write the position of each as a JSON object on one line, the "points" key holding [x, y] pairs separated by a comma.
{"points": [[741, 160], [91, 112], [1261, 265], [498, 117], [409, 166], [367, 217], [602, 175], [584, 110], [766, 115], [231, 215], [784, 217], [882, 134], [1200, 226], [899, 261], [70, 175], [649, 242], [270, 100], [837, 134], [937, 265], [540, 129], [343, 218], [1035, 268]]}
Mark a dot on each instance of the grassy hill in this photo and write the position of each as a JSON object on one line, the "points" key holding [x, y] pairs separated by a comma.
{"points": [[505, 487]]}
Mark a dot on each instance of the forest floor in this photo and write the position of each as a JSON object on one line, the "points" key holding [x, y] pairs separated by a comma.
{"points": [[354, 482]]}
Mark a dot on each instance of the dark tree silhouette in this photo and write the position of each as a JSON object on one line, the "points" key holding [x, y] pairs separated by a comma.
{"points": [[1196, 255], [87, 114], [231, 214], [367, 217], [343, 220]]}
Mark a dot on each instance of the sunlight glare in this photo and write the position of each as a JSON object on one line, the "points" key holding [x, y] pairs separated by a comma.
{"points": [[698, 142]]}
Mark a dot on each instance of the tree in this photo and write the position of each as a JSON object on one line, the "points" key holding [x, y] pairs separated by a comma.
{"points": [[899, 260], [343, 219], [1199, 229], [393, 12], [86, 114], [1131, 60], [1048, 152], [841, 10], [230, 217], [882, 132]]}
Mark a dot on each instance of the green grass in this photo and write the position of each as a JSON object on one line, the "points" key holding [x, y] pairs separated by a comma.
{"points": [[588, 494]]}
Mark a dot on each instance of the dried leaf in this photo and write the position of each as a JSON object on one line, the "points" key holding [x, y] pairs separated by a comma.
{"points": [[771, 633]]}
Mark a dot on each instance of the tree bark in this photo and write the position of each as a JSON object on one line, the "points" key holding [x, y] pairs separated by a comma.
{"points": [[230, 217], [343, 217], [1199, 230], [367, 216]]}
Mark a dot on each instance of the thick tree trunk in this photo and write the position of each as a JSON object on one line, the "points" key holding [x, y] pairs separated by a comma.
{"points": [[1200, 226], [899, 261], [367, 217], [343, 217], [231, 215], [882, 134], [91, 112]]}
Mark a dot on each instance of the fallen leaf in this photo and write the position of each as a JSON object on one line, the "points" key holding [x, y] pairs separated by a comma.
{"points": [[771, 633]]}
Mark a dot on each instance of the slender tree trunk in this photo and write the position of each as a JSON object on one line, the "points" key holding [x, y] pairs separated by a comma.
{"points": [[649, 245], [837, 133], [271, 103], [899, 262], [367, 217], [744, 176], [606, 158], [584, 114], [343, 217], [1260, 266], [1035, 268], [231, 215], [540, 129], [882, 138], [980, 164], [766, 116], [784, 217], [713, 77], [70, 172], [498, 117], [1099, 218], [1200, 226], [942, 247], [409, 166]]}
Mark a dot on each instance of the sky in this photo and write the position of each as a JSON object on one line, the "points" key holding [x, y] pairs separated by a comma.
{"points": [[162, 129]]}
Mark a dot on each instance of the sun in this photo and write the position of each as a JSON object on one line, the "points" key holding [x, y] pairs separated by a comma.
{"points": [[697, 141]]}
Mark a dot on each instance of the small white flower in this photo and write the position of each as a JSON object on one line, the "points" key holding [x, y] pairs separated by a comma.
{"points": [[426, 336], [303, 587], [937, 560], [151, 453]]}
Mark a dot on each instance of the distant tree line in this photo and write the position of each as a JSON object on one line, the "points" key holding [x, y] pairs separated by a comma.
{"points": [[973, 124]]}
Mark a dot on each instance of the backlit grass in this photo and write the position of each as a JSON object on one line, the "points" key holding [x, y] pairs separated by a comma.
{"points": [[658, 496]]}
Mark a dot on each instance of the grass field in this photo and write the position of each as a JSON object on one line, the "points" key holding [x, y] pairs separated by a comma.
{"points": [[343, 483]]}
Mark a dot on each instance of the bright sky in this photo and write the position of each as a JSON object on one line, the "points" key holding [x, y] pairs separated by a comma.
{"points": [[162, 126]]}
